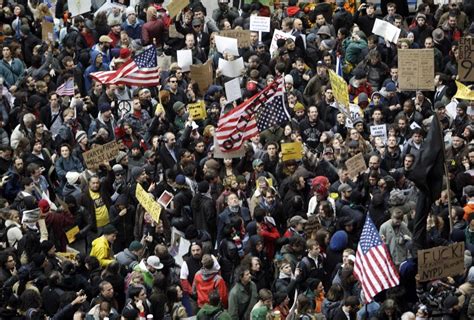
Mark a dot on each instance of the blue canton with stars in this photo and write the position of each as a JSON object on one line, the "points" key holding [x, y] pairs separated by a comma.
{"points": [[146, 59], [271, 113], [370, 237]]}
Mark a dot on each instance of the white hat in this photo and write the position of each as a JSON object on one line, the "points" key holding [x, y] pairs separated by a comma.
{"points": [[289, 78], [72, 177], [154, 261], [129, 11]]}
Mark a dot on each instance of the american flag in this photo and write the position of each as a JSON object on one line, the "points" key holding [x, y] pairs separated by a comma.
{"points": [[273, 111], [66, 89], [373, 265], [240, 124], [142, 71]]}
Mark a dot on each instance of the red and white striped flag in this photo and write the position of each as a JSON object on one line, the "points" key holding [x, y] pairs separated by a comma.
{"points": [[66, 89], [373, 265], [141, 71], [240, 124]]}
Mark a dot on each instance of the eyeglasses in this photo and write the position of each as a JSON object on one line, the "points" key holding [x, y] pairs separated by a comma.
{"points": [[197, 26], [173, 81]]}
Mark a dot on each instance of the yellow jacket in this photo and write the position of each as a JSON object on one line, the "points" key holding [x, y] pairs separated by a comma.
{"points": [[102, 251]]}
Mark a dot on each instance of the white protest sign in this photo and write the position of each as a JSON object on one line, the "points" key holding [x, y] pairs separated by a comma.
{"points": [[227, 44], [231, 69], [258, 23], [278, 34], [386, 30], [232, 90], [78, 7], [185, 59], [379, 131]]}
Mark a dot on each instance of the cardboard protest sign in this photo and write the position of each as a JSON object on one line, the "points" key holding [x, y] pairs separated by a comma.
{"points": [[175, 7], [439, 262], [197, 110], [278, 34], [218, 154], [356, 165], [148, 203], [466, 59], [94, 157], [242, 36], [386, 30], [71, 256], [202, 74], [173, 33], [164, 62], [416, 69], [292, 151], [258, 23], [464, 92], [47, 31], [339, 88], [379, 131], [77, 7]]}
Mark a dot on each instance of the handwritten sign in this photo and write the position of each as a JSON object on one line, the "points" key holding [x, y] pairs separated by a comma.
{"points": [[47, 31], [94, 157], [148, 203], [175, 7], [71, 256], [416, 69], [77, 7], [197, 110], [292, 151], [202, 74], [71, 234], [356, 165], [440, 262], [466, 59], [339, 88], [379, 131], [464, 92], [242, 36], [258, 23]]}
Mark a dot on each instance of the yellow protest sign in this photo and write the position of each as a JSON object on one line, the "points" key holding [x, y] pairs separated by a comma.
{"points": [[147, 202], [71, 234], [464, 92], [71, 256], [197, 110], [292, 151], [339, 88]]}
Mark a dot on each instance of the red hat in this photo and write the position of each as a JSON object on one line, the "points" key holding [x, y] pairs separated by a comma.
{"points": [[43, 204], [125, 53], [251, 86], [320, 184]]}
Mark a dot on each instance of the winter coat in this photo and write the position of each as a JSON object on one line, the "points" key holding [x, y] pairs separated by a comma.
{"points": [[12, 73], [125, 258], [93, 68], [65, 165], [241, 301], [208, 311], [206, 281], [395, 242]]}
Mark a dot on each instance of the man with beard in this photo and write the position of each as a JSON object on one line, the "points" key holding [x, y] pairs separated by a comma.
{"points": [[395, 234], [234, 209], [138, 117], [13, 186], [97, 202], [103, 47], [135, 157], [105, 120], [191, 265]]}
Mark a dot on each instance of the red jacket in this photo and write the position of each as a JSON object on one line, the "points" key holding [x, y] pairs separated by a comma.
{"points": [[269, 234], [203, 285], [153, 29]]}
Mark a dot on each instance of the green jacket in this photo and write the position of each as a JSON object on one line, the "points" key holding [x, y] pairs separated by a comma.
{"points": [[207, 311], [240, 302], [354, 50]]}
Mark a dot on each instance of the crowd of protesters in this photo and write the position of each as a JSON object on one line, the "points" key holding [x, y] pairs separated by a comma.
{"points": [[265, 234]]}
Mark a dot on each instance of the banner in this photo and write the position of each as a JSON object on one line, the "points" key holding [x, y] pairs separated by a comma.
{"points": [[466, 59], [440, 262], [96, 156], [339, 88], [148, 203], [416, 69]]}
